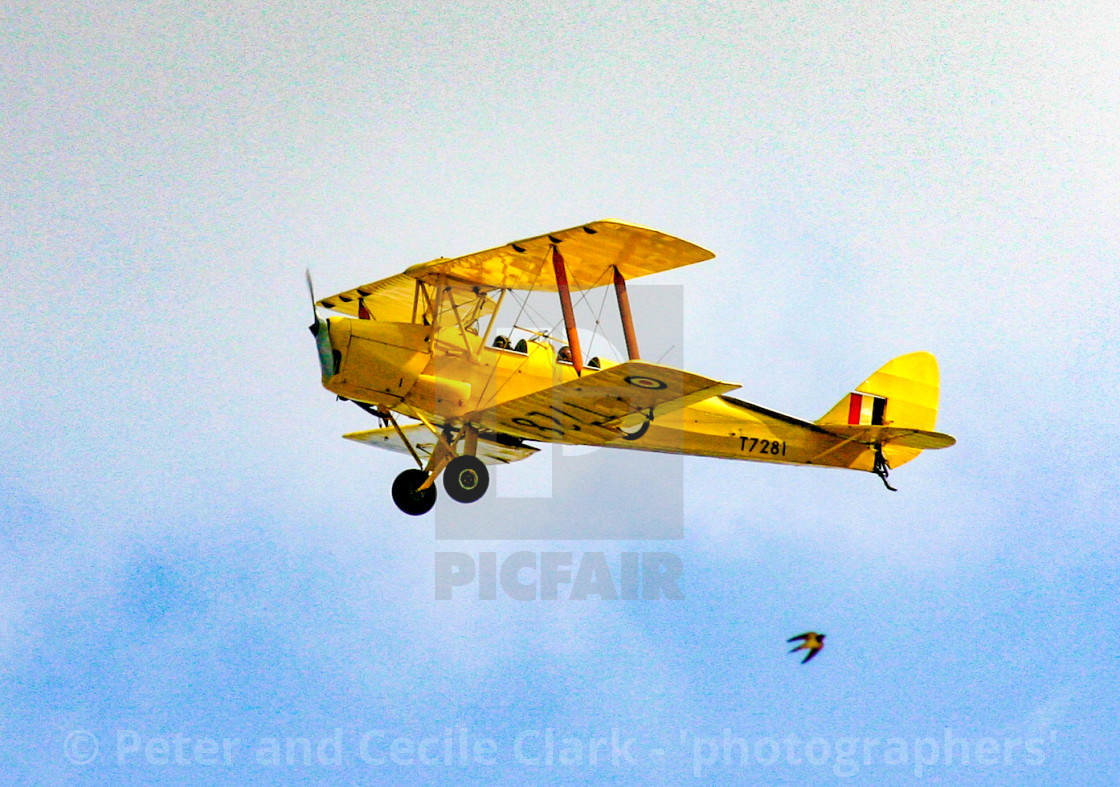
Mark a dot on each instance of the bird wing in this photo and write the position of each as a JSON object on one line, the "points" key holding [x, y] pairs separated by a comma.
{"points": [[812, 652], [800, 636]]}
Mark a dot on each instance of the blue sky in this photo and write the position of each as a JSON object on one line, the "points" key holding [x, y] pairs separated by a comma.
{"points": [[192, 558]]}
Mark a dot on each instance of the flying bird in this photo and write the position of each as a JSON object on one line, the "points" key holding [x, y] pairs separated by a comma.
{"points": [[813, 643]]}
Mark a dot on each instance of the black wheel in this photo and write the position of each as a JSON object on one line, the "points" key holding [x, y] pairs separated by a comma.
{"points": [[408, 497], [466, 479]]}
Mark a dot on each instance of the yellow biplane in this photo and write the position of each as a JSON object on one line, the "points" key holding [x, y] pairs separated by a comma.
{"points": [[420, 344]]}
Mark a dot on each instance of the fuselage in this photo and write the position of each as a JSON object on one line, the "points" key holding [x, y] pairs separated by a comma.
{"points": [[446, 374]]}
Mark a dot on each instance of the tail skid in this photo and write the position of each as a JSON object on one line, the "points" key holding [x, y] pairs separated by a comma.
{"points": [[882, 469]]}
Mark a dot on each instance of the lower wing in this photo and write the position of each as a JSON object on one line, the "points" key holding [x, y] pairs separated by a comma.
{"points": [[493, 448], [591, 409]]}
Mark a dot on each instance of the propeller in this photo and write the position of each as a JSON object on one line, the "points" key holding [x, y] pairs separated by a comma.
{"points": [[314, 327], [321, 331]]}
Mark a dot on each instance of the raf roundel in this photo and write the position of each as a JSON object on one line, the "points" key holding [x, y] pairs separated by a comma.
{"points": [[649, 383]]}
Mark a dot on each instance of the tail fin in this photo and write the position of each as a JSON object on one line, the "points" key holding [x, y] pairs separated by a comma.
{"points": [[903, 393], [893, 413]]}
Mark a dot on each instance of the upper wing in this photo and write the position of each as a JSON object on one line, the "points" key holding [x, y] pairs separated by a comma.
{"points": [[392, 299], [590, 409], [389, 299], [491, 452], [590, 253]]}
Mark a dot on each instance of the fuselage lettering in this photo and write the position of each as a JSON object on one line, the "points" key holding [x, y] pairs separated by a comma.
{"points": [[751, 445]]}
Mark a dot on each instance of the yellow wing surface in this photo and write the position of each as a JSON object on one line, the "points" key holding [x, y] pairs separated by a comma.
{"points": [[592, 409], [591, 252], [394, 299], [389, 300], [491, 452]]}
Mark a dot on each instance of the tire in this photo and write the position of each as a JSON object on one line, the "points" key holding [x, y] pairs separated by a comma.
{"points": [[466, 479], [406, 494]]}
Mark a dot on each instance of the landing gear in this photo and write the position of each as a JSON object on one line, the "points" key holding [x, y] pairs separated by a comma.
{"points": [[409, 497], [466, 479]]}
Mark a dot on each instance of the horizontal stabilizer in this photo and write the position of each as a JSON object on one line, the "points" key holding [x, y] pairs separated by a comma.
{"points": [[490, 451], [891, 435]]}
